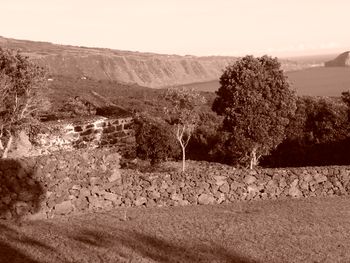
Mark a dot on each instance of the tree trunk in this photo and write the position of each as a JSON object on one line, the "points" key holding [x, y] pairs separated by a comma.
{"points": [[7, 148], [183, 159], [253, 159]]}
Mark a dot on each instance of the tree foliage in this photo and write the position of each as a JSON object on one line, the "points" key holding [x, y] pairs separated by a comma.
{"points": [[318, 134], [256, 102], [154, 139], [21, 84]]}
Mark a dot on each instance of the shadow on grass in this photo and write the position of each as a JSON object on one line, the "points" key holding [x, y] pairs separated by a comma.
{"points": [[20, 194], [11, 239], [157, 249]]}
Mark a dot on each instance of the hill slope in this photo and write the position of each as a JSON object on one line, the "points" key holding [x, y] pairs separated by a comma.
{"points": [[343, 60], [145, 69]]}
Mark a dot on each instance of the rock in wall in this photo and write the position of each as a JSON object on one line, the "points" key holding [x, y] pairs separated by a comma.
{"points": [[58, 184], [90, 180]]}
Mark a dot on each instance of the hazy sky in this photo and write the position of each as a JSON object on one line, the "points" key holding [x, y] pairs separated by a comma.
{"points": [[197, 27]]}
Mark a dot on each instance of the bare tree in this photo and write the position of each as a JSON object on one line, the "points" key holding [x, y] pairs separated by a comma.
{"points": [[183, 114]]}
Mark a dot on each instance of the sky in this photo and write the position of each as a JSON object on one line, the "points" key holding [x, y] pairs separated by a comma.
{"points": [[185, 27]]}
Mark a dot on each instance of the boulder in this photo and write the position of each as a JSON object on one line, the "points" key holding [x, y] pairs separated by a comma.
{"points": [[63, 208], [320, 178], [183, 202], [295, 192], [271, 187], [115, 175], [283, 183], [224, 188], [307, 177], [140, 201], [154, 195], [96, 202], [235, 185], [205, 199], [37, 216], [294, 183], [21, 146], [249, 179], [176, 197], [252, 189], [116, 199], [220, 180]]}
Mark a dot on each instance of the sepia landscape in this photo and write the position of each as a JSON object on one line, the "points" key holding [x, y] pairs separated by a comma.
{"points": [[166, 131]]}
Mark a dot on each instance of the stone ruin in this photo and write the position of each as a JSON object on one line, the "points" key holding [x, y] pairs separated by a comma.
{"points": [[78, 133], [87, 133]]}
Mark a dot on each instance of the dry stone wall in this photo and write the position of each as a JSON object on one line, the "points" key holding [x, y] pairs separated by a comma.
{"points": [[88, 133], [90, 180]]}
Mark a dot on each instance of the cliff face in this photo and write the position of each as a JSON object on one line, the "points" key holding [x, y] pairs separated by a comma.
{"points": [[150, 71], [343, 60], [145, 69]]}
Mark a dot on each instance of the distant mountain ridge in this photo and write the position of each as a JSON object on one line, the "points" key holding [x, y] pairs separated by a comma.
{"points": [[145, 69], [343, 60]]}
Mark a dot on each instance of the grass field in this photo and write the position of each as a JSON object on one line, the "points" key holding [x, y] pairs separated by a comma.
{"points": [[308, 230], [318, 81]]}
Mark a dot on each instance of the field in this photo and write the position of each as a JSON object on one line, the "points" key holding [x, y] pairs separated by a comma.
{"points": [[303, 230], [318, 81]]}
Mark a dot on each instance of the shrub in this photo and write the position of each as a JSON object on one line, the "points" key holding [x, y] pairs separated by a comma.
{"points": [[154, 140]]}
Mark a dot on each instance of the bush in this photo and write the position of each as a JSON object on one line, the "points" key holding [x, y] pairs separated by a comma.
{"points": [[318, 134], [154, 140]]}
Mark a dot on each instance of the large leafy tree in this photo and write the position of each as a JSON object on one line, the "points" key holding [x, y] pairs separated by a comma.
{"points": [[21, 85], [256, 102]]}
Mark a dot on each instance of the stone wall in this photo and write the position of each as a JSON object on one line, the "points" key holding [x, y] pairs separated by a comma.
{"points": [[56, 184], [89, 180], [85, 133]]}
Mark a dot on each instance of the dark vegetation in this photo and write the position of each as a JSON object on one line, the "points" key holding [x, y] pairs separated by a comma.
{"points": [[18, 185], [155, 140], [318, 133]]}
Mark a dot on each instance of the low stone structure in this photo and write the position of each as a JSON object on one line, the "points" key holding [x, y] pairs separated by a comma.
{"points": [[86, 133], [90, 180], [72, 134]]}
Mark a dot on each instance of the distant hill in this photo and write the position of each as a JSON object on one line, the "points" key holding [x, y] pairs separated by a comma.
{"points": [[145, 69], [343, 60]]}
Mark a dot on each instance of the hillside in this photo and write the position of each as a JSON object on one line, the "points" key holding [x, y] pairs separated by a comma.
{"points": [[145, 69], [343, 60]]}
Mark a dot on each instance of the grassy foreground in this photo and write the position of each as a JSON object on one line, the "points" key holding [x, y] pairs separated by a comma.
{"points": [[308, 230]]}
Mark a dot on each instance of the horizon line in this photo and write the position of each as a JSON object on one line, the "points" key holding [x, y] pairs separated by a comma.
{"points": [[312, 53]]}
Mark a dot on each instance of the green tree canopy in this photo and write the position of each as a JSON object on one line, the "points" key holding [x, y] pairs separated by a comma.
{"points": [[256, 102]]}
